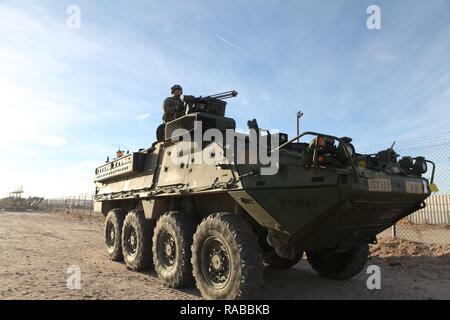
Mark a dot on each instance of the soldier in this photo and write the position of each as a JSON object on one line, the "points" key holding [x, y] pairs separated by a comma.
{"points": [[173, 106]]}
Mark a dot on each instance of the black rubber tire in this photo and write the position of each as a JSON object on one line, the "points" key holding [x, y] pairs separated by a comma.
{"points": [[180, 227], [277, 262], [137, 257], [113, 234], [339, 266], [244, 257]]}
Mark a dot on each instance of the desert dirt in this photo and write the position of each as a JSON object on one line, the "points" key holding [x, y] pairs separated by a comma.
{"points": [[38, 248]]}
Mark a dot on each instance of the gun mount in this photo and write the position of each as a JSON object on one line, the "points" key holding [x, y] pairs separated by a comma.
{"points": [[212, 104]]}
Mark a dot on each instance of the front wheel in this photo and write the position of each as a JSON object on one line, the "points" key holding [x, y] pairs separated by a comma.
{"points": [[339, 265], [226, 258]]}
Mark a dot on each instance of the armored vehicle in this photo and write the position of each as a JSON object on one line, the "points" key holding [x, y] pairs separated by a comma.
{"points": [[213, 211]]}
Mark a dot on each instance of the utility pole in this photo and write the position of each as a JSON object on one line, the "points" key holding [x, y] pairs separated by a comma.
{"points": [[299, 115]]}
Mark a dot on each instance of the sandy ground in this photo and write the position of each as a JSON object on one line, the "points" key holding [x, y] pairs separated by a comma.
{"points": [[37, 249]]}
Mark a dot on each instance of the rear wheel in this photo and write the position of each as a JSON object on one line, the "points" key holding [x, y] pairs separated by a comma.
{"points": [[113, 233], [226, 258], [342, 265], [172, 240], [137, 241], [278, 262]]}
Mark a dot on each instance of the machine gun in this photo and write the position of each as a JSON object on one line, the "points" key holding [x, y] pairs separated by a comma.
{"points": [[212, 104]]}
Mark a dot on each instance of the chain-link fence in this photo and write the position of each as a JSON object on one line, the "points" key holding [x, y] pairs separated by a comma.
{"points": [[431, 224], [83, 204]]}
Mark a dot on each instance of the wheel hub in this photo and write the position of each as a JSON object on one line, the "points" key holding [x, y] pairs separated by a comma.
{"points": [[110, 235], [216, 266], [216, 263], [168, 249], [131, 240]]}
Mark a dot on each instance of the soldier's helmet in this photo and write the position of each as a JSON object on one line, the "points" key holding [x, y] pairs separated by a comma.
{"points": [[175, 87]]}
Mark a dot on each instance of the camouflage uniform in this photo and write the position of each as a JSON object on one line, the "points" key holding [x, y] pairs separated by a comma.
{"points": [[173, 108]]}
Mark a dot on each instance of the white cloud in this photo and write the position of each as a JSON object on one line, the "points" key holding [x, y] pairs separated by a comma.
{"points": [[49, 182], [143, 116], [89, 164], [52, 141], [29, 110]]}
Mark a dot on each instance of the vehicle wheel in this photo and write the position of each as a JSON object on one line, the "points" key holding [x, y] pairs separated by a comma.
{"points": [[172, 240], [339, 266], [113, 233], [278, 262], [137, 241], [226, 258]]}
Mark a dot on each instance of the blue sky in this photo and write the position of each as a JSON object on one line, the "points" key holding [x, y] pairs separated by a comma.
{"points": [[69, 98]]}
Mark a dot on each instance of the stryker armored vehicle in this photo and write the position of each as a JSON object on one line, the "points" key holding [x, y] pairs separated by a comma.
{"points": [[199, 214]]}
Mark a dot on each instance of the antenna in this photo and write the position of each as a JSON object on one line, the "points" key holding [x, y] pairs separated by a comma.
{"points": [[299, 115]]}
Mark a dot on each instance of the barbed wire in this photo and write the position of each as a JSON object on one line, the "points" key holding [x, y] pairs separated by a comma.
{"points": [[435, 139]]}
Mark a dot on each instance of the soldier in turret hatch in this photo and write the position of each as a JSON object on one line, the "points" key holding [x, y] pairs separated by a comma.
{"points": [[174, 106]]}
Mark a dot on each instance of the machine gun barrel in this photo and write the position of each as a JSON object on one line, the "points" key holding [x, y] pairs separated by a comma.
{"points": [[213, 104], [223, 95]]}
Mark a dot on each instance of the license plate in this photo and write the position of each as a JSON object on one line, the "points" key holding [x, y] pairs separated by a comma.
{"points": [[380, 185], [413, 187]]}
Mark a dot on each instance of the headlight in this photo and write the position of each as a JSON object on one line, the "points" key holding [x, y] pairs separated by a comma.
{"points": [[406, 163], [420, 166]]}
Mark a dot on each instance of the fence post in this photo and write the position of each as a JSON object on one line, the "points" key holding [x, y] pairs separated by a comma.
{"points": [[448, 209], [91, 206], [394, 231]]}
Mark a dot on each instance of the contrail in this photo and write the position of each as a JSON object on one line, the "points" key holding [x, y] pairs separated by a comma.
{"points": [[231, 44]]}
